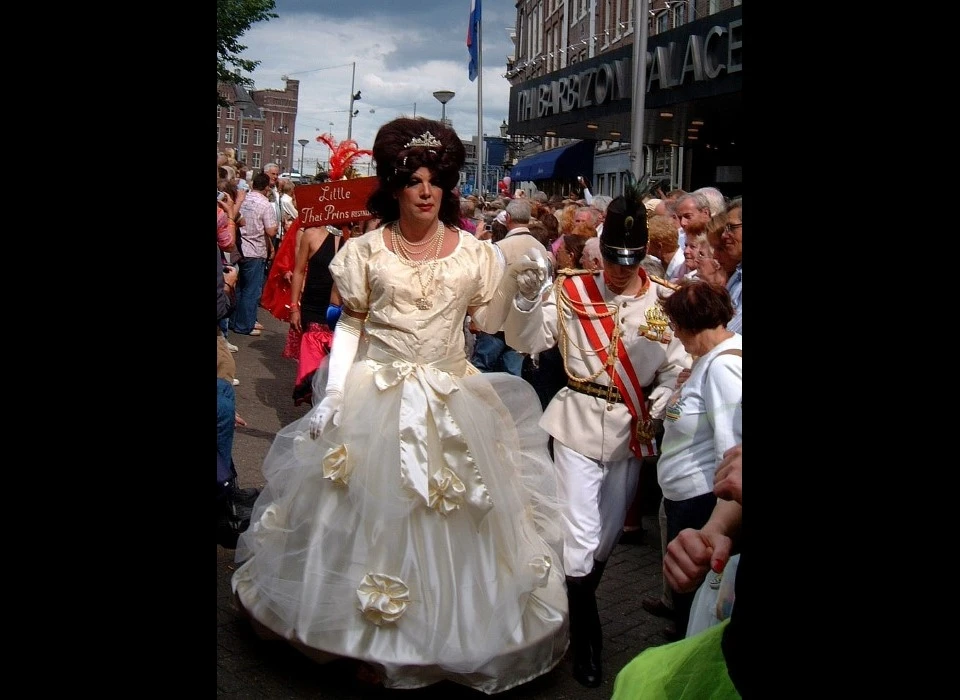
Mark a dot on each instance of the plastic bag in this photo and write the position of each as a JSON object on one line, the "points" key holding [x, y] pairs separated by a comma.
{"points": [[714, 599]]}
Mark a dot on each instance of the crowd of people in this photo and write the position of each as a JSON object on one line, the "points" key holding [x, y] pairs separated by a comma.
{"points": [[486, 382]]}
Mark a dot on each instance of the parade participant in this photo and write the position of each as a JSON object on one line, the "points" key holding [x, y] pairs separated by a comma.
{"points": [[305, 301], [409, 520], [621, 363], [314, 304]]}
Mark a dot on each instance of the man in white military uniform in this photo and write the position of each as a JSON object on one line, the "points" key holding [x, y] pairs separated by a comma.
{"points": [[617, 347]]}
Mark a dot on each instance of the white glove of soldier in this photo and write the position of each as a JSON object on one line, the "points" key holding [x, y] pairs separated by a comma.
{"points": [[346, 339]]}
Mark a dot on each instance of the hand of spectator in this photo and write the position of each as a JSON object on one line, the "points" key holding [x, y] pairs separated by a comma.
{"points": [[682, 377], [238, 421], [230, 276], [728, 479], [288, 276], [691, 554]]}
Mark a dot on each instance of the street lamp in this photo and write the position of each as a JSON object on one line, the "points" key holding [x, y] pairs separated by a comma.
{"points": [[641, 7], [303, 144], [354, 96], [276, 149], [444, 96], [240, 103]]}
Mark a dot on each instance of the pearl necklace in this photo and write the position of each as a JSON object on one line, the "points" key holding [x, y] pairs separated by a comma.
{"points": [[405, 255]]}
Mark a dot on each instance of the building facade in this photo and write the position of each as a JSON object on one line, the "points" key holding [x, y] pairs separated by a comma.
{"points": [[259, 125], [573, 81]]}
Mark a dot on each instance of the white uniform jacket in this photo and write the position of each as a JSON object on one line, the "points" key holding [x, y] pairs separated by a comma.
{"points": [[589, 424]]}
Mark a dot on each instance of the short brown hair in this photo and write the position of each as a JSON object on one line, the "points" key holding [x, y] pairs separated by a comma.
{"points": [[699, 305]]}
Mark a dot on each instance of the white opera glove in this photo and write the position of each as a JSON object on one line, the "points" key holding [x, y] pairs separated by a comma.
{"points": [[327, 412], [346, 339]]}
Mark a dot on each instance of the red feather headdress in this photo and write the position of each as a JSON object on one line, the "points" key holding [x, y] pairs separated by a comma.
{"points": [[342, 154]]}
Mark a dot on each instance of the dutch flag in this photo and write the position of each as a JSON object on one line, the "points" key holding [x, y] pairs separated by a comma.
{"points": [[472, 44]]}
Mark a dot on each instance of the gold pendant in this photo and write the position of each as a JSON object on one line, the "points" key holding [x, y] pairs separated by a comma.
{"points": [[423, 303], [657, 323]]}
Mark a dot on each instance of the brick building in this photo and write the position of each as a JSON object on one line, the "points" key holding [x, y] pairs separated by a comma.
{"points": [[260, 124]]}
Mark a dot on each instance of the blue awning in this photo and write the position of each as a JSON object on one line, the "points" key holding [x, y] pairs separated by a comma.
{"points": [[563, 163]]}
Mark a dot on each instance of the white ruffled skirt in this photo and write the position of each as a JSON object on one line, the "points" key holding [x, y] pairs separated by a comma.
{"points": [[420, 535]]}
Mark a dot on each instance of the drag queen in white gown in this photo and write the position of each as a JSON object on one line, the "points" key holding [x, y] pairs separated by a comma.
{"points": [[409, 520]]}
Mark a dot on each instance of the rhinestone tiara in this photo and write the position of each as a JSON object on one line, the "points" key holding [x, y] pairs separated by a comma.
{"points": [[424, 140]]}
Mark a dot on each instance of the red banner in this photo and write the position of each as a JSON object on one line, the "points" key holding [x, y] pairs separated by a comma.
{"points": [[338, 202]]}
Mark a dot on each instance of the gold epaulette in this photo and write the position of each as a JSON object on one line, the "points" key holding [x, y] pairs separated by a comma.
{"points": [[571, 271], [664, 283]]}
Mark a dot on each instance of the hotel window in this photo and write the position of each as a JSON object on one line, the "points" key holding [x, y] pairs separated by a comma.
{"points": [[679, 13], [218, 134], [713, 7], [609, 28], [228, 137], [244, 137], [256, 159], [548, 43], [231, 113], [538, 33], [258, 137], [219, 111], [663, 22]]}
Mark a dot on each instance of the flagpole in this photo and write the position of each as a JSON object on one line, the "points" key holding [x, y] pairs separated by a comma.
{"points": [[480, 105]]}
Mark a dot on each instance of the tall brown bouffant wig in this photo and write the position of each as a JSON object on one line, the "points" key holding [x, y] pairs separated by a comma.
{"points": [[397, 161]]}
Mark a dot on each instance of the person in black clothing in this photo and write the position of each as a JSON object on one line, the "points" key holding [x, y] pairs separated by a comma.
{"points": [[314, 304]]}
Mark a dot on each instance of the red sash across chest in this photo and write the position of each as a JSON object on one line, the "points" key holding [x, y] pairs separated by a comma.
{"points": [[591, 311]]}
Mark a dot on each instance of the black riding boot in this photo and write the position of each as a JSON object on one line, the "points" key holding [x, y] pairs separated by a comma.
{"points": [[586, 634]]}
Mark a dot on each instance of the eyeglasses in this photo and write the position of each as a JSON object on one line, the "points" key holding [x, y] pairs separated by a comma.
{"points": [[729, 227]]}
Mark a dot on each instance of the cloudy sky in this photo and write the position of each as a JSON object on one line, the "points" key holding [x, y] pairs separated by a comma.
{"points": [[404, 52]]}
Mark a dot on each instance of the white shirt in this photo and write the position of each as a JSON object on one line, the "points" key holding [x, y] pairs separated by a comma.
{"points": [[702, 421], [673, 270], [735, 287]]}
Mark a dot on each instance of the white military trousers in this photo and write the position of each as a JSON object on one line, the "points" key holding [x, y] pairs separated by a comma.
{"points": [[596, 496]]}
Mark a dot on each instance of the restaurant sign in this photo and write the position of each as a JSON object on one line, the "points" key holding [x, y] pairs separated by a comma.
{"points": [[335, 202]]}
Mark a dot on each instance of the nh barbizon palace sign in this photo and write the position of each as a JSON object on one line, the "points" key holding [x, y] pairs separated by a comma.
{"points": [[695, 60]]}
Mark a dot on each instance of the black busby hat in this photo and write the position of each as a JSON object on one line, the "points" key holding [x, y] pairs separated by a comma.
{"points": [[624, 237]]}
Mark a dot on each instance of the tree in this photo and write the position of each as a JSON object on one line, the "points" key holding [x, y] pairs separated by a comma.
{"points": [[234, 18]]}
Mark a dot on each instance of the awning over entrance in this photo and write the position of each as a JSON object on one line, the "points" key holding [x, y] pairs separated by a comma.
{"points": [[563, 163]]}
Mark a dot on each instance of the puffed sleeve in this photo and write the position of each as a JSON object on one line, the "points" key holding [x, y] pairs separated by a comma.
{"points": [[349, 271], [488, 267]]}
